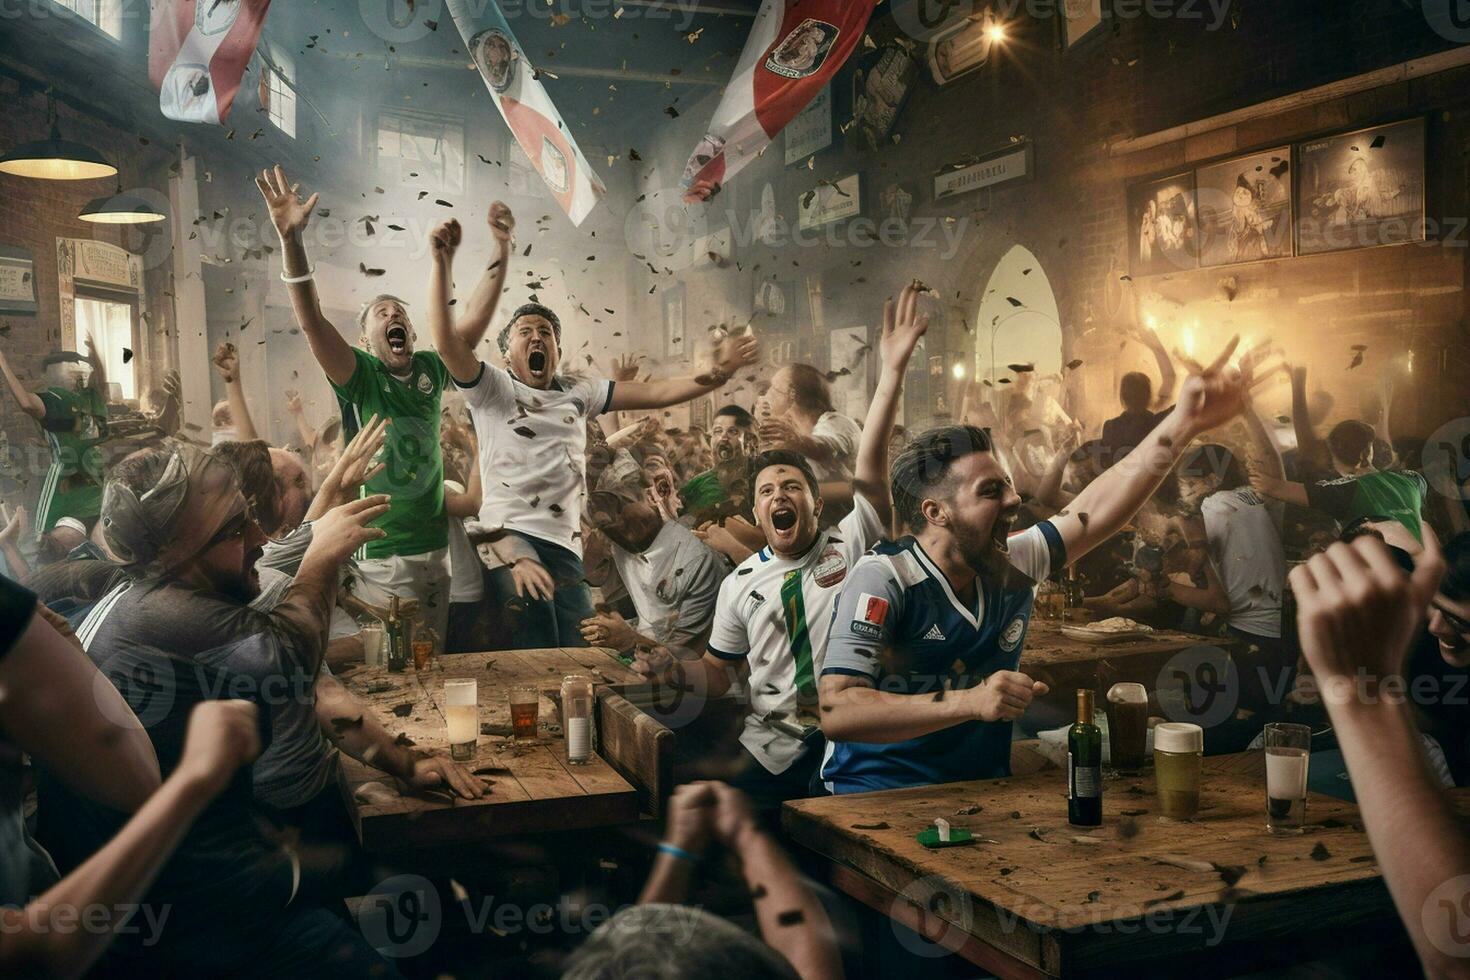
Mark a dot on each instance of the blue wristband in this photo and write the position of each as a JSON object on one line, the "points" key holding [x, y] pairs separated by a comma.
{"points": [[674, 850]]}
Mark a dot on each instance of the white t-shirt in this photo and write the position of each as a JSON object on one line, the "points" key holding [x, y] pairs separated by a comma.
{"points": [[465, 583], [533, 452], [840, 434], [1244, 535], [673, 584], [751, 623]]}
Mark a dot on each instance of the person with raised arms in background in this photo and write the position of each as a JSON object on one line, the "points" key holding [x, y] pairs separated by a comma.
{"points": [[921, 681], [533, 445], [773, 615], [388, 378]]}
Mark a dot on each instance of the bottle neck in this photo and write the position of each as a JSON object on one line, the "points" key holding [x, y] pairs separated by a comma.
{"points": [[1084, 707]]}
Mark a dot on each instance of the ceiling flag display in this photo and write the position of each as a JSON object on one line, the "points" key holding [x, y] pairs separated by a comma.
{"points": [[197, 53], [794, 49], [527, 108]]}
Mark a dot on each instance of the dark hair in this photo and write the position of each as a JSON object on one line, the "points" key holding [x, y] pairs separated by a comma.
{"points": [[1350, 440], [742, 418], [367, 307], [1136, 390], [529, 309], [809, 389], [252, 464], [784, 457], [923, 465], [1214, 460], [1456, 582], [140, 471], [1361, 528]]}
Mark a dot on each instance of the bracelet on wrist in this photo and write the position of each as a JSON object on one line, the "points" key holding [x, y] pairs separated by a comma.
{"points": [[305, 277], [674, 850]]}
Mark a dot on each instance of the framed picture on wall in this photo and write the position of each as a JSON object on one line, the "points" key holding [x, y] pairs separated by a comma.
{"points": [[1163, 233], [1245, 208], [674, 341], [1362, 189], [1079, 19]]}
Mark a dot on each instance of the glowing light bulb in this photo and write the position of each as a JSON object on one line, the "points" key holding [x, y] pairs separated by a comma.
{"points": [[959, 372], [996, 33], [1150, 321]]}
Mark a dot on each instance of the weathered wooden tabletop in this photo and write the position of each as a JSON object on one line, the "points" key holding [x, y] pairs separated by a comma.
{"points": [[1037, 897], [533, 788], [1046, 647]]}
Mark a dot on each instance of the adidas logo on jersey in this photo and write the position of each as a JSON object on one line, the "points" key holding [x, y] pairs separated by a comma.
{"points": [[935, 633]]}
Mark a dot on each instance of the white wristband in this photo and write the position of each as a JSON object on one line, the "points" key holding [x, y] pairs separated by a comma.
{"points": [[292, 280]]}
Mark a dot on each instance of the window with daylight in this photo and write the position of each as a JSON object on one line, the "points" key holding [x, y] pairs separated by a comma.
{"points": [[421, 149], [105, 15], [280, 96], [111, 323]]}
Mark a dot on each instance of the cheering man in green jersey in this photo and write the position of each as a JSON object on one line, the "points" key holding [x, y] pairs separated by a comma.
{"points": [[73, 412], [388, 378]]}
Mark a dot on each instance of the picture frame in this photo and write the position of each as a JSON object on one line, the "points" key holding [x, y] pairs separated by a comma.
{"points": [[830, 201], [1363, 189], [17, 280], [811, 131], [1079, 19], [1163, 230], [1245, 208], [880, 88]]}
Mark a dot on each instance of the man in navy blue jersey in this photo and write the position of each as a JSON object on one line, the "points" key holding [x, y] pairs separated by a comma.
{"points": [[920, 683]]}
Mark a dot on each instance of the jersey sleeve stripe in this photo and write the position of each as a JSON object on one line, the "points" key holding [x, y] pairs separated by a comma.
{"points": [[1056, 547], [468, 384], [727, 656]]}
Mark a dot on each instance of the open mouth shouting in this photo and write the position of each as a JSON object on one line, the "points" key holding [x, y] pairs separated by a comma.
{"points": [[783, 522], [1000, 533], [536, 362], [397, 337]]}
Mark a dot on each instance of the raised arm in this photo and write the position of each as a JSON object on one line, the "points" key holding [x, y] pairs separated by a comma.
{"points": [[1210, 397], [290, 215], [475, 318], [30, 402], [1167, 376], [458, 356], [222, 735], [731, 354], [1279, 489], [298, 415], [227, 363], [1358, 615], [1311, 452], [99, 369], [903, 325]]}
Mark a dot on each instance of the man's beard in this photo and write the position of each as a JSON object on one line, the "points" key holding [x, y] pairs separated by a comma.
{"points": [[986, 552]]}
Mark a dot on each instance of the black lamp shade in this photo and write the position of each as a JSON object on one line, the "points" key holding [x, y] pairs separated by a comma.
{"points": [[119, 209], [56, 159]]}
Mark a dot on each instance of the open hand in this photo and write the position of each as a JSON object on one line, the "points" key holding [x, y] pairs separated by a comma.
{"points": [[736, 351], [343, 529], [903, 325], [288, 212], [435, 771], [15, 528], [532, 580], [626, 368]]}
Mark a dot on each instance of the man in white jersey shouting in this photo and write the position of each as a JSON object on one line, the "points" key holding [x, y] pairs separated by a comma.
{"points": [[773, 614]]}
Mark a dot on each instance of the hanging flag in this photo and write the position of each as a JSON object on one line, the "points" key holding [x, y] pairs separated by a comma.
{"points": [[794, 49], [516, 87], [197, 53]]}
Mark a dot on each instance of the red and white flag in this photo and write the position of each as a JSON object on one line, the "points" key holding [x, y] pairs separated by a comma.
{"points": [[526, 106], [794, 48], [197, 53]]}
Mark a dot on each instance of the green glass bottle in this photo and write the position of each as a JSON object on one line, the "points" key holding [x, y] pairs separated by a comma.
{"points": [[1084, 766]]}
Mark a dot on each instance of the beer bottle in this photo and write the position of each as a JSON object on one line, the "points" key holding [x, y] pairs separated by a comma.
{"points": [[393, 636], [1084, 766]]}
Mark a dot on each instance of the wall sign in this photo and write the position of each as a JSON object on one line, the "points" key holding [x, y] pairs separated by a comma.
{"points": [[89, 261], [811, 131], [1362, 189], [1001, 167], [17, 280], [831, 201]]}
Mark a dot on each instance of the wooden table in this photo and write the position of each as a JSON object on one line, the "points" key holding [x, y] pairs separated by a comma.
{"points": [[533, 788], [1070, 663], [1040, 898]]}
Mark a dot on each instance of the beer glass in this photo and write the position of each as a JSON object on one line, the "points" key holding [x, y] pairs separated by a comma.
{"points": [[525, 703], [1127, 709], [462, 714], [1178, 751], [1288, 752], [372, 645]]}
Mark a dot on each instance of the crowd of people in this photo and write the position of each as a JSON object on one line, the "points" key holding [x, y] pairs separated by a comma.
{"points": [[866, 590]]}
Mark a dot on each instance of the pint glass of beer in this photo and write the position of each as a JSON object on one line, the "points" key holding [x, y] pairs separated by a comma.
{"points": [[525, 703], [1127, 709], [462, 714]]}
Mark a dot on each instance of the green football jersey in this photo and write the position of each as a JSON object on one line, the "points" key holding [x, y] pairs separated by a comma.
{"points": [[75, 424], [414, 470]]}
